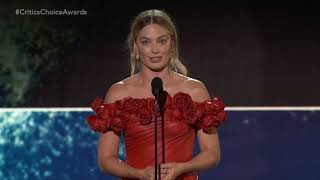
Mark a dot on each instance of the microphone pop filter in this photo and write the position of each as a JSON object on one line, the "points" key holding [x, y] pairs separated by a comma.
{"points": [[157, 86]]}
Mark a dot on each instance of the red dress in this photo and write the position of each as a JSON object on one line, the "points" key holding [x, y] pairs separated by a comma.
{"points": [[134, 118]]}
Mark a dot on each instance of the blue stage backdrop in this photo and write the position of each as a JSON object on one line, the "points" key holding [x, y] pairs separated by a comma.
{"points": [[56, 144]]}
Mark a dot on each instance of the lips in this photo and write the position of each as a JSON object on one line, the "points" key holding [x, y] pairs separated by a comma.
{"points": [[155, 59]]}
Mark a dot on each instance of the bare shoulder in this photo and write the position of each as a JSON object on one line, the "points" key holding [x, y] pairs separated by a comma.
{"points": [[115, 92], [118, 90], [197, 89]]}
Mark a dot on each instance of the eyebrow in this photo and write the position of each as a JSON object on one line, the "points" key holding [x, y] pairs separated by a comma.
{"points": [[162, 36]]}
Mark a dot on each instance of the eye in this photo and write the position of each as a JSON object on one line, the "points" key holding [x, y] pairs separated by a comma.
{"points": [[163, 41], [144, 42]]}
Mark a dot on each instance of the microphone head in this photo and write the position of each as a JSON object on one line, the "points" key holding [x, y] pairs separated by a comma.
{"points": [[157, 86]]}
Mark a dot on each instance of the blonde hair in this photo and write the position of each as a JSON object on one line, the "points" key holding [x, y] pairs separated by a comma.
{"points": [[161, 18]]}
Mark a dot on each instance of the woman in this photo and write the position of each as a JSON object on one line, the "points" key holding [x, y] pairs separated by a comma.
{"points": [[128, 110]]}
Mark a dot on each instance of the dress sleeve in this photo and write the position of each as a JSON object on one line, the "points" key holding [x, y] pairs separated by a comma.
{"points": [[107, 117], [213, 114]]}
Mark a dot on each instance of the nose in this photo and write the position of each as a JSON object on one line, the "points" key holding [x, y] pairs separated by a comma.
{"points": [[155, 48]]}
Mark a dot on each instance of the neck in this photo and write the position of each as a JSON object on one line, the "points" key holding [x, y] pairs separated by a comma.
{"points": [[147, 75]]}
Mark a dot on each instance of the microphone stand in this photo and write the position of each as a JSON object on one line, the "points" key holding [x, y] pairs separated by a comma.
{"points": [[157, 89], [162, 129], [156, 108], [155, 139]]}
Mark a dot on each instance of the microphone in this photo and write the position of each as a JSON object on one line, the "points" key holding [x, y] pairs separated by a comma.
{"points": [[157, 87], [157, 90]]}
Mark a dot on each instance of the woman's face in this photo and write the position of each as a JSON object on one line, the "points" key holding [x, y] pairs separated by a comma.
{"points": [[154, 45]]}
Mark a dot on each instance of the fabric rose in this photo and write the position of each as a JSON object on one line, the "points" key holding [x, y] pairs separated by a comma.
{"points": [[118, 124], [97, 124], [168, 103], [124, 115], [130, 105], [199, 108], [222, 116], [144, 115], [218, 104], [207, 115], [134, 118], [182, 101], [172, 114], [106, 112], [190, 116], [118, 105], [150, 103], [141, 103], [209, 123], [209, 108], [213, 115], [97, 104]]}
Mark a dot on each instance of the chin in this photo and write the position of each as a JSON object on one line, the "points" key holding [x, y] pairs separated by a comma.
{"points": [[157, 68]]}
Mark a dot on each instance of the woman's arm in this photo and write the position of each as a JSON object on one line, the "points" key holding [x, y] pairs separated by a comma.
{"points": [[209, 155], [108, 146], [108, 160]]}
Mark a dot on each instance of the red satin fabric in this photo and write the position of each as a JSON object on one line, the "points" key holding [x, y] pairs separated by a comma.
{"points": [[134, 118], [179, 142]]}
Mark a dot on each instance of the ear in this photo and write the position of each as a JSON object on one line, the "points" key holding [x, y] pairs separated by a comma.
{"points": [[172, 44], [135, 49], [172, 47]]}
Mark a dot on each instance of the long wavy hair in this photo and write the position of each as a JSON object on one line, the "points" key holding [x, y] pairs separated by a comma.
{"points": [[161, 18]]}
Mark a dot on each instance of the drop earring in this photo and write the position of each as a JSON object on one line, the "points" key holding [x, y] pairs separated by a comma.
{"points": [[137, 56]]}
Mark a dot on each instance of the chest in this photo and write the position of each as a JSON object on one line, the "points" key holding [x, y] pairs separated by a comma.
{"points": [[171, 127]]}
